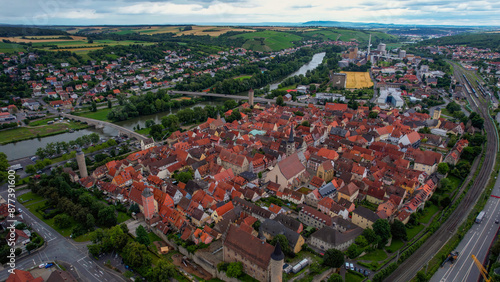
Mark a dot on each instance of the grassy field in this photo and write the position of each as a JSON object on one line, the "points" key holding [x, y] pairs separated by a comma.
{"points": [[11, 47], [395, 245], [412, 232], [99, 115], [241, 77], [42, 121], [24, 133], [358, 80], [268, 40], [375, 255], [122, 217], [429, 211], [29, 197]]}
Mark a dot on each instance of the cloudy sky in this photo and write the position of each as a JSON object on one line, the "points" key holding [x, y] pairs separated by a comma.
{"points": [[122, 12]]}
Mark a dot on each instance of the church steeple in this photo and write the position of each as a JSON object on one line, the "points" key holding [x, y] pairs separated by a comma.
{"points": [[290, 144], [290, 137]]}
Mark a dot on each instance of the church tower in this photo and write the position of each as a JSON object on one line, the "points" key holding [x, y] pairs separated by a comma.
{"points": [[277, 259], [290, 144], [148, 203]]}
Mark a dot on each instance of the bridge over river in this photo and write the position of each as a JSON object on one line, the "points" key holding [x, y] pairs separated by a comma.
{"points": [[100, 124]]}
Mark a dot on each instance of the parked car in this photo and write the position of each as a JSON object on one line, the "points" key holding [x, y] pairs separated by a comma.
{"points": [[346, 265], [496, 221], [49, 265], [352, 266], [41, 265]]}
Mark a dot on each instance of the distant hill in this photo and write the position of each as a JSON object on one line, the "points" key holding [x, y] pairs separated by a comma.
{"points": [[9, 31], [479, 40]]}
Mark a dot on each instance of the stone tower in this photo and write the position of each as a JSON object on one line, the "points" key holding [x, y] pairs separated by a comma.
{"points": [[437, 113], [82, 166], [290, 144], [250, 97], [148, 203], [277, 259]]}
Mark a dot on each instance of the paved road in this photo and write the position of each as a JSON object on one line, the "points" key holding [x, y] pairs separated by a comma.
{"points": [[59, 248], [476, 242], [409, 268]]}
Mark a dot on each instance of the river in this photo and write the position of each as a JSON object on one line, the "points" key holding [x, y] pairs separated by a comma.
{"points": [[27, 148], [316, 60]]}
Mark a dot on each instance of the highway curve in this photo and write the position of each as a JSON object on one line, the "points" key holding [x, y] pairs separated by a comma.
{"points": [[409, 268]]}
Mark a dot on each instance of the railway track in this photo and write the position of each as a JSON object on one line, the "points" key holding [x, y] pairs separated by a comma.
{"points": [[409, 268]]}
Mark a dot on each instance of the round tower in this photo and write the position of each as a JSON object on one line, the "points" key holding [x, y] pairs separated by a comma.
{"points": [[82, 166], [277, 260], [250, 97]]}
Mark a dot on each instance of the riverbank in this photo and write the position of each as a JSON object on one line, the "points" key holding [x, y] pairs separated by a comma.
{"points": [[31, 132]]}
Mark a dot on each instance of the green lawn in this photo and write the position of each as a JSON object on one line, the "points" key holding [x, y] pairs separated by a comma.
{"points": [[455, 181], [429, 211], [83, 238], [375, 255], [143, 131], [352, 276], [122, 217], [24, 133], [414, 231], [99, 115], [29, 197], [241, 77], [42, 121], [395, 245]]}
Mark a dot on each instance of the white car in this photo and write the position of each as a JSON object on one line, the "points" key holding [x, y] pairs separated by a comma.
{"points": [[42, 265]]}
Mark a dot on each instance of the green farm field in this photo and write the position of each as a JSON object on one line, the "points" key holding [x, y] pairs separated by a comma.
{"points": [[268, 40]]}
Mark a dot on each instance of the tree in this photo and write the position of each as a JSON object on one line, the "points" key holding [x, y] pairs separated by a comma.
{"points": [[149, 123], [110, 105], [333, 258], [335, 278], [443, 168], [4, 165], [93, 107], [184, 176], [30, 169], [306, 123], [398, 230], [280, 101], [369, 235], [136, 255], [446, 201], [134, 208], [283, 242], [142, 235], [353, 251], [361, 241], [373, 115], [234, 269], [477, 120], [422, 277], [106, 216], [62, 221], [94, 249], [162, 271], [382, 228]]}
